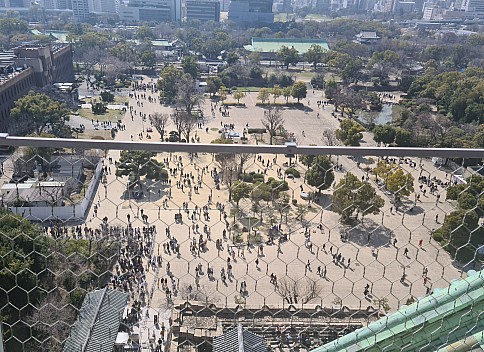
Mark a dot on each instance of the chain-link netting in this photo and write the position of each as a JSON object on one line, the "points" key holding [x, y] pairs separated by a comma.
{"points": [[166, 251]]}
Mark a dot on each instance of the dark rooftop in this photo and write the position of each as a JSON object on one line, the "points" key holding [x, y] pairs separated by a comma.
{"points": [[239, 340]]}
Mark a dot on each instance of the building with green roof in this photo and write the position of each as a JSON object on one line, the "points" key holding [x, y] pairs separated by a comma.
{"points": [[268, 47], [450, 319]]}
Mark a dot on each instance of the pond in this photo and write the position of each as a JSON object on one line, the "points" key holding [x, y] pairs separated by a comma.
{"points": [[380, 117]]}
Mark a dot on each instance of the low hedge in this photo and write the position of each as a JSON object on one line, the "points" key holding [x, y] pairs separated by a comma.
{"points": [[234, 104], [256, 130], [252, 177], [290, 105]]}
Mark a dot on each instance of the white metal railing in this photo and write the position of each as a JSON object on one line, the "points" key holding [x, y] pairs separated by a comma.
{"points": [[289, 148], [268, 292]]}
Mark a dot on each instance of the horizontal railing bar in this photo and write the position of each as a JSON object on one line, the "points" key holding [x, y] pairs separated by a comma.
{"points": [[292, 148]]}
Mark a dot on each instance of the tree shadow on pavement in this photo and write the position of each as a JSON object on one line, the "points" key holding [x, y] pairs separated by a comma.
{"points": [[410, 208], [152, 191], [378, 235]]}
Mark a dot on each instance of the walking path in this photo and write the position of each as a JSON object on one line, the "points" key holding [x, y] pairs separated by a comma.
{"points": [[374, 259]]}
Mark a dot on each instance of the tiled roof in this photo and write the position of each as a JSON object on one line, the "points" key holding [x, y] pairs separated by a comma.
{"points": [[239, 340], [98, 322], [446, 320]]}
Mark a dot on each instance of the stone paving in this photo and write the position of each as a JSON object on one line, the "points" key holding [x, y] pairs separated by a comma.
{"points": [[377, 262]]}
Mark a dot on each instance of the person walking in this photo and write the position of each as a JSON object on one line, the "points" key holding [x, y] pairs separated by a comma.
{"points": [[405, 252]]}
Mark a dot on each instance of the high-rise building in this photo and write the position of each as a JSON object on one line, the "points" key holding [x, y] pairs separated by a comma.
{"points": [[203, 10], [80, 9], [48, 4], [63, 4], [287, 6], [248, 12], [17, 3], [56, 4], [224, 5], [473, 6], [151, 10], [102, 6]]}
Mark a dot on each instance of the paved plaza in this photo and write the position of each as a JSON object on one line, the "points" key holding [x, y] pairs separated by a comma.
{"points": [[376, 259]]}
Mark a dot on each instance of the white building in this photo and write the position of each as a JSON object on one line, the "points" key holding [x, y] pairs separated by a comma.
{"points": [[473, 7], [151, 10]]}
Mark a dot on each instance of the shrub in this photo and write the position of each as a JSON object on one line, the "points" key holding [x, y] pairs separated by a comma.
{"points": [[258, 178], [99, 108], [256, 130], [277, 186], [238, 237], [233, 104], [438, 236], [294, 172], [107, 97], [246, 177], [252, 177], [163, 174], [294, 202]]}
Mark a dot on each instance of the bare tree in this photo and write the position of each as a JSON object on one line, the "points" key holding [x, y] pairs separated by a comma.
{"points": [[303, 291], [113, 67], [242, 159], [160, 121], [164, 30], [351, 100], [184, 123], [206, 294], [272, 121], [23, 166], [189, 123], [330, 137], [309, 290], [93, 58], [187, 97], [284, 289], [51, 322], [177, 119], [369, 118], [51, 195]]}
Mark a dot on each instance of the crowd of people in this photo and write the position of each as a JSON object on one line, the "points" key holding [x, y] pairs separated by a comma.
{"points": [[141, 252]]}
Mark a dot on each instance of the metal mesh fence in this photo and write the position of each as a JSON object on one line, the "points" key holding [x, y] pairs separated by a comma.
{"points": [[148, 251]]}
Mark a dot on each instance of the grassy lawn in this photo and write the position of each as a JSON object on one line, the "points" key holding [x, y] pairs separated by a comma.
{"points": [[120, 100], [110, 115], [304, 76], [315, 16]]}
